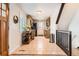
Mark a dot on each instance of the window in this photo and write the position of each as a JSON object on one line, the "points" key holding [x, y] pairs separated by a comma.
{"points": [[0, 12], [4, 6], [3, 9], [0, 9], [3, 13], [0, 5]]}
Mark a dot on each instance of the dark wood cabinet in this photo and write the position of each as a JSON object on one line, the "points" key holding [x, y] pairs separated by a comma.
{"points": [[27, 37]]}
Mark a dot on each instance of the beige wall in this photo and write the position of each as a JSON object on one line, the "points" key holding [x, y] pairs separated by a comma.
{"points": [[14, 30], [74, 27], [67, 16]]}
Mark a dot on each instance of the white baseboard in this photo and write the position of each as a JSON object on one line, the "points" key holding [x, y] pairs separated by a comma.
{"points": [[12, 50]]}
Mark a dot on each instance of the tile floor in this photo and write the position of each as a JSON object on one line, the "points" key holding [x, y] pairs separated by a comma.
{"points": [[39, 46]]}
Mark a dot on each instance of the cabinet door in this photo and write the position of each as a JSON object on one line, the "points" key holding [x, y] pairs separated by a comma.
{"points": [[4, 38]]}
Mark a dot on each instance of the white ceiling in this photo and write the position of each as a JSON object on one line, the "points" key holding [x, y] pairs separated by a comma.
{"points": [[39, 11]]}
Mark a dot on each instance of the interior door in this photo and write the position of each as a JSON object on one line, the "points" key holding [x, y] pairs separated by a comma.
{"points": [[4, 29], [0, 29], [4, 37], [0, 37]]}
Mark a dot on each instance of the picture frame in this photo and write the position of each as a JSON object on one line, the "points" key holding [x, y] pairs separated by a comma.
{"points": [[48, 22], [15, 19], [30, 19]]}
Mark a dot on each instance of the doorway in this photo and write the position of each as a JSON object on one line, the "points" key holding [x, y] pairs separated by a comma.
{"points": [[4, 11]]}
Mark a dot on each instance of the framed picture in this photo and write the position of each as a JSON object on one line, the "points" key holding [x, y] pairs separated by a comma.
{"points": [[30, 20], [48, 22]]}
